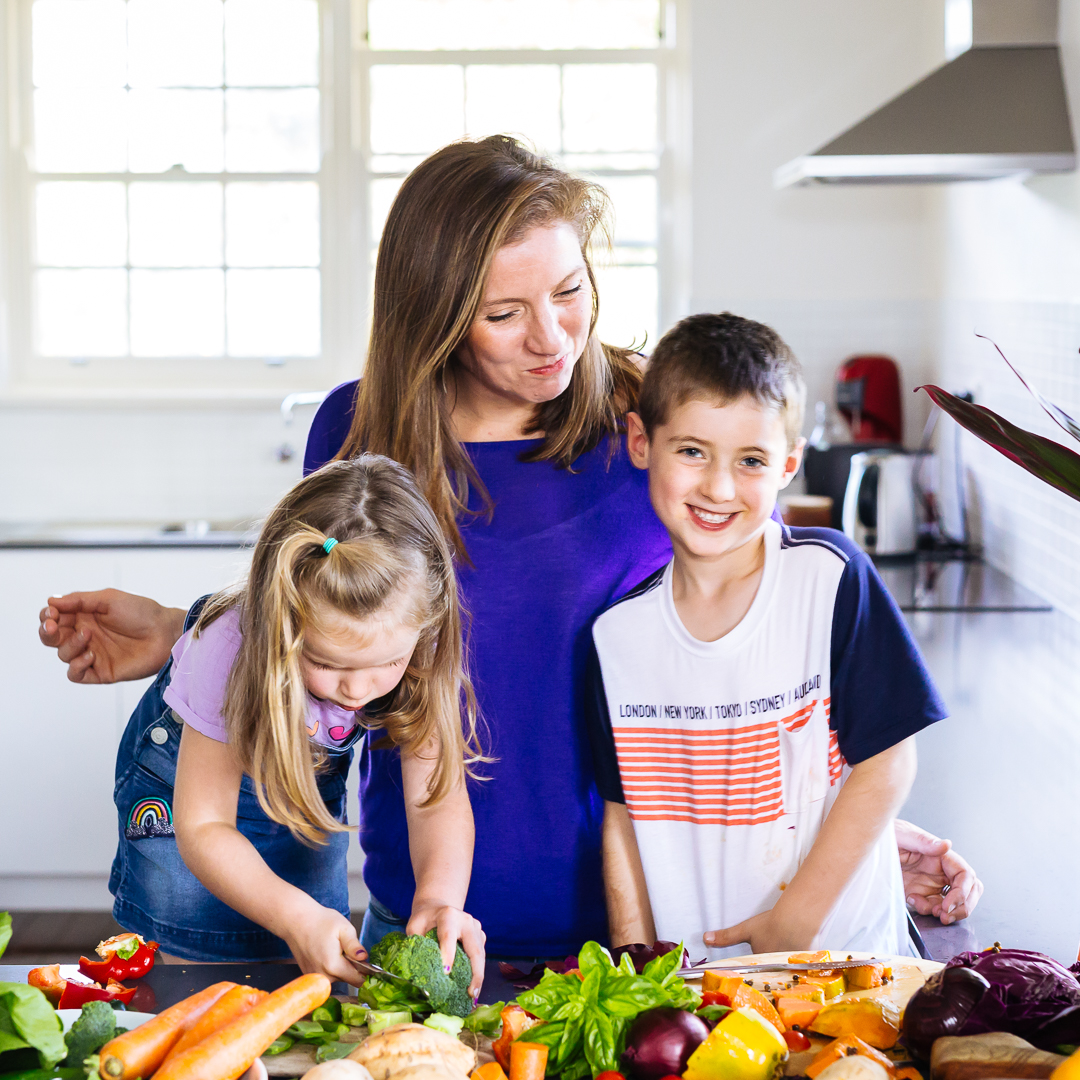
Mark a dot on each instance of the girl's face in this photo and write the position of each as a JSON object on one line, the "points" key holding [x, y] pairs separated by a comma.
{"points": [[351, 661], [533, 322]]}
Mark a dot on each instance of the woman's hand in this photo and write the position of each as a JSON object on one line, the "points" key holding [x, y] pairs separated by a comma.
{"points": [[109, 636], [454, 925], [322, 941], [930, 865]]}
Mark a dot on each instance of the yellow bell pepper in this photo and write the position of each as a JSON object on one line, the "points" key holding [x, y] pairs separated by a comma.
{"points": [[1069, 1069], [743, 1046]]}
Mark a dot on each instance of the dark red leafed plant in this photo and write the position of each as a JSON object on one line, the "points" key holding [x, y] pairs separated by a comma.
{"points": [[1051, 462]]}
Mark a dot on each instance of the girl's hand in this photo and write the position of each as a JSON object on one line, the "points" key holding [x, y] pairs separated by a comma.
{"points": [[322, 942], [454, 925]]}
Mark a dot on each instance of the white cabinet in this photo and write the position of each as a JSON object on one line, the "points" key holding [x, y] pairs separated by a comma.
{"points": [[58, 740]]}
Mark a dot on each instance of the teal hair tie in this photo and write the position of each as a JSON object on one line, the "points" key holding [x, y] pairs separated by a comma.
{"points": [[330, 544]]}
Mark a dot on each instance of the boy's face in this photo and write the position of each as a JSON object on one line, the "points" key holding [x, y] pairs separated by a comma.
{"points": [[714, 472]]}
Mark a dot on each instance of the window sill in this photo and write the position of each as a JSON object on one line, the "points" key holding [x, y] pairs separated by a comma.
{"points": [[67, 397]]}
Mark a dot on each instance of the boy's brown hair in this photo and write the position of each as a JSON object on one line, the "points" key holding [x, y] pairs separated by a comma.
{"points": [[723, 358]]}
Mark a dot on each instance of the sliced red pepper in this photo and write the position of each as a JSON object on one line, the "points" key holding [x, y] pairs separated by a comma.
{"points": [[76, 995], [714, 997], [47, 980], [113, 966]]}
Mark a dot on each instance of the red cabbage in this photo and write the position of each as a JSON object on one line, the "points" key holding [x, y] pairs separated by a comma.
{"points": [[1027, 991], [660, 1041], [643, 954]]}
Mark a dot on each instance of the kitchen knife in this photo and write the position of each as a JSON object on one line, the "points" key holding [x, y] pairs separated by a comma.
{"points": [[744, 969], [376, 972]]}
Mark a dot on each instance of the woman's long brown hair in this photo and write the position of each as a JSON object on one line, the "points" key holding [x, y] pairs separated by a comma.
{"points": [[391, 556], [452, 214]]}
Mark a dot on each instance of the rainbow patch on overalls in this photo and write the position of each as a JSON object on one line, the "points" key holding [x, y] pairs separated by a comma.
{"points": [[149, 818]]}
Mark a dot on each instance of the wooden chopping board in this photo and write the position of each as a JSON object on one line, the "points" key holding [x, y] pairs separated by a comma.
{"points": [[909, 973]]}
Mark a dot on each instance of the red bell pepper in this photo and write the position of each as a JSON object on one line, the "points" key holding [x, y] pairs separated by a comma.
{"points": [[125, 956], [76, 995], [47, 980]]}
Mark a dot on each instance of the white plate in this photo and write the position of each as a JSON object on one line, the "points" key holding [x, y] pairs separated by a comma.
{"points": [[124, 1020]]}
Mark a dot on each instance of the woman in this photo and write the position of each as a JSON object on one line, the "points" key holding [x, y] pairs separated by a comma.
{"points": [[486, 378]]}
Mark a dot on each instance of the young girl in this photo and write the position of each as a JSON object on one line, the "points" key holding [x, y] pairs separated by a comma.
{"points": [[231, 774]]}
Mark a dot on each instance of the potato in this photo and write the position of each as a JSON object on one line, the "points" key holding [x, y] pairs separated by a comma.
{"points": [[855, 1067], [413, 1046], [341, 1069]]}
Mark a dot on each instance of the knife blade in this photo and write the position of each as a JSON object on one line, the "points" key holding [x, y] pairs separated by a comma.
{"points": [[365, 967], [820, 965]]}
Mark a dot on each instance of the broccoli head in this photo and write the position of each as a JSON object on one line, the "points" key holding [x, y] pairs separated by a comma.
{"points": [[93, 1028], [418, 959]]}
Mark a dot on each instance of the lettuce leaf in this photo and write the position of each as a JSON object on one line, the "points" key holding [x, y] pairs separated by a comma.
{"points": [[28, 1021]]}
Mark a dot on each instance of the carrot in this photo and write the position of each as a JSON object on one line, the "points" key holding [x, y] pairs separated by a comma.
{"points": [[228, 1007], [490, 1070], [528, 1061], [230, 1050], [141, 1050]]}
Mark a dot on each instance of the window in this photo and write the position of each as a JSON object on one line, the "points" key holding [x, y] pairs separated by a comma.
{"points": [[581, 80], [202, 183]]}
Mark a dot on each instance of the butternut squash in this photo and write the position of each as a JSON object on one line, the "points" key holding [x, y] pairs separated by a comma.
{"points": [[864, 978], [846, 1047], [875, 1022], [798, 1012], [831, 985], [804, 991]]}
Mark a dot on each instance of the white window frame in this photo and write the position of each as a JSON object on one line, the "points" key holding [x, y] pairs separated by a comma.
{"points": [[344, 178]]}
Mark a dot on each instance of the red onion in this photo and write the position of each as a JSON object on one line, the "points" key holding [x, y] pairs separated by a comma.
{"points": [[660, 1042], [941, 1006]]}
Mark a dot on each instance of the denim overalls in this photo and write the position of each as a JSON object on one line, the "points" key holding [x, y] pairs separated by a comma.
{"points": [[156, 895]]}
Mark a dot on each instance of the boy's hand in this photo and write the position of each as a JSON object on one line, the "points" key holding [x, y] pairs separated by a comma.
{"points": [[929, 865], [109, 636], [454, 925], [763, 932], [323, 941]]}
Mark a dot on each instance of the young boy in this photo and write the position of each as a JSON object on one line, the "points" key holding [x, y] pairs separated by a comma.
{"points": [[754, 702]]}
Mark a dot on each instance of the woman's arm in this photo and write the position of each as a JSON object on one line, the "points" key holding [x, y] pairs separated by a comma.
{"points": [[864, 809], [109, 636], [441, 846], [227, 863], [630, 917]]}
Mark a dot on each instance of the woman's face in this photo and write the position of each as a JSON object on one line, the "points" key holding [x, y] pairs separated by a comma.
{"points": [[534, 318]]}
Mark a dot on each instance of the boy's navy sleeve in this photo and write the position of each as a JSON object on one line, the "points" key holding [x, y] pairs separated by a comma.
{"points": [[601, 737], [881, 691]]}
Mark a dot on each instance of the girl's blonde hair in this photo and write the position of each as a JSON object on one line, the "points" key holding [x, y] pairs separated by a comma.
{"points": [[453, 213], [390, 552]]}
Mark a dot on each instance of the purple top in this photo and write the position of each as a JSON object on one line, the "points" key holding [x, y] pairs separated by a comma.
{"points": [[559, 548], [200, 669]]}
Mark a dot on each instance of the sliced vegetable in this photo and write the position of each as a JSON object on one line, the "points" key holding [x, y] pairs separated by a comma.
{"points": [[29, 1022], [77, 994], [452, 1025], [806, 991], [515, 1021], [5, 930], [490, 1070], [279, 1046], [138, 1052], [230, 1050], [379, 1019], [875, 1022], [660, 1041], [737, 992], [333, 1051], [846, 1047], [864, 978], [528, 1061], [743, 1046], [830, 985], [330, 1013], [714, 997], [352, 1014], [228, 1007], [486, 1019], [126, 956], [798, 1012]]}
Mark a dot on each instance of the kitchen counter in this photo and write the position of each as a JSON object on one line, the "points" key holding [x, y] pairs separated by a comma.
{"points": [[37, 536], [954, 585]]}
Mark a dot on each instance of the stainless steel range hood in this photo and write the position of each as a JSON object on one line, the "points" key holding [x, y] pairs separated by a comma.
{"points": [[996, 110]]}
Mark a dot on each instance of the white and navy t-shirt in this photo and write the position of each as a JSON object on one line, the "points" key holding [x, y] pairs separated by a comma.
{"points": [[728, 754]]}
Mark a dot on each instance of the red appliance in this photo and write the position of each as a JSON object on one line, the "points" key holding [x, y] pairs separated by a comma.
{"points": [[868, 397]]}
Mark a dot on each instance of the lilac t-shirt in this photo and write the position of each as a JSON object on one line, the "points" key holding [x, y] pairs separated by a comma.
{"points": [[200, 669]]}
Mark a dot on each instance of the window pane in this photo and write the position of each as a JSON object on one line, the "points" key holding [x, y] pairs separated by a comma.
{"points": [[273, 312], [609, 107], [634, 202], [176, 127], [177, 312], [80, 131], [520, 99], [628, 296], [175, 224], [81, 312], [271, 42], [513, 24], [174, 42], [81, 224], [79, 43], [272, 224], [416, 109], [383, 192], [272, 130]]}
